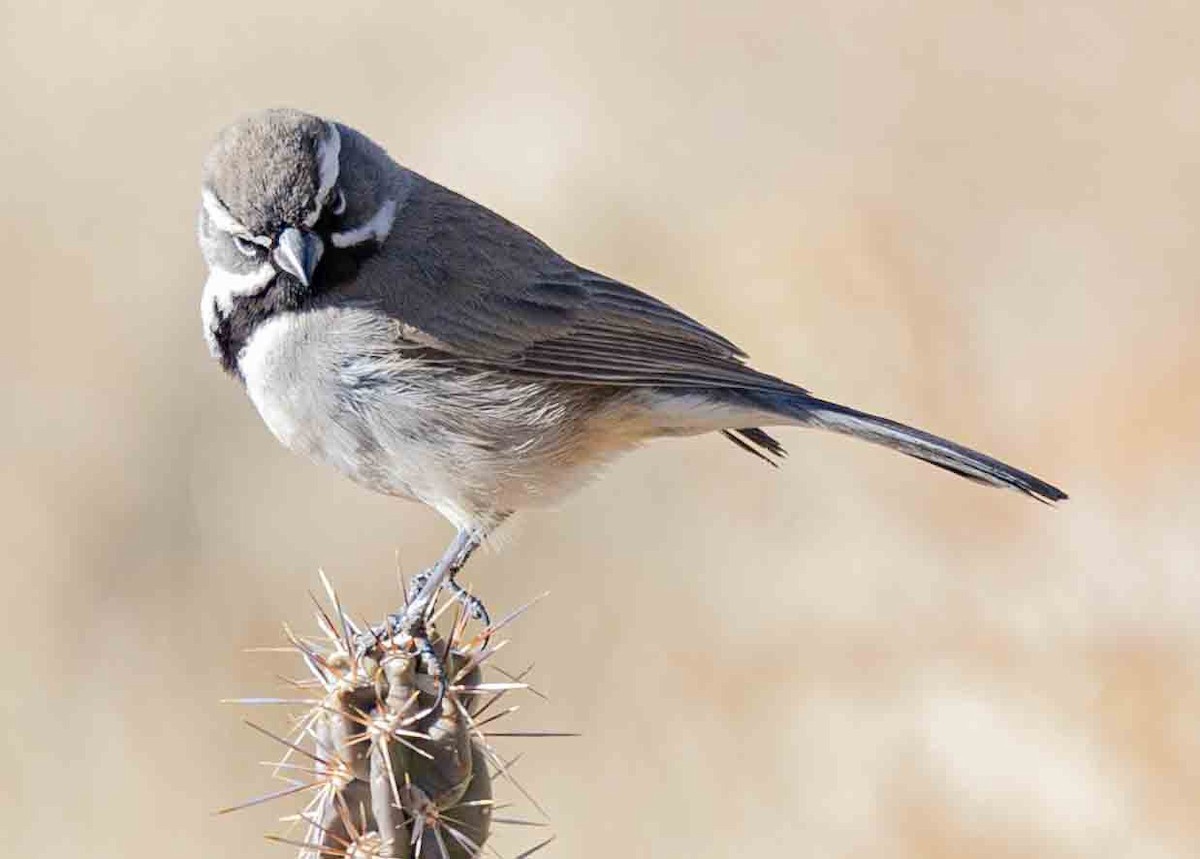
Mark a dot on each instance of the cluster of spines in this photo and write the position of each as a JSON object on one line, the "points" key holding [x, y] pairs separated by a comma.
{"points": [[393, 769]]}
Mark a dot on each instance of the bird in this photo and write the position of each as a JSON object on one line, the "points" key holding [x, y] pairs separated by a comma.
{"points": [[430, 349]]}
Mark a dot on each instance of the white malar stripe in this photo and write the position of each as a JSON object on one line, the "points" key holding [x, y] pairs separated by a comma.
{"points": [[221, 288], [377, 228], [219, 215]]}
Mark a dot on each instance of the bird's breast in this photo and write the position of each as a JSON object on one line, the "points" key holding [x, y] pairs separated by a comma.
{"points": [[474, 443], [311, 375]]}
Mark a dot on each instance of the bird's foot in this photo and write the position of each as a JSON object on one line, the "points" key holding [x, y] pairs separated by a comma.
{"points": [[472, 604], [400, 633], [417, 585]]}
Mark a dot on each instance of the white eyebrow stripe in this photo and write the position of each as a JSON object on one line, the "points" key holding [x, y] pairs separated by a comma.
{"points": [[328, 169], [219, 215], [328, 151], [377, 228]]}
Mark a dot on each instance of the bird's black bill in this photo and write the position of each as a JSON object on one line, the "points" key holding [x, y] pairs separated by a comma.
{"points": [[297, 252]]}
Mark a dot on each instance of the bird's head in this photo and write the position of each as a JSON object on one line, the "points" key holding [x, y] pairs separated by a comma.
{"points": [[280, 193]]}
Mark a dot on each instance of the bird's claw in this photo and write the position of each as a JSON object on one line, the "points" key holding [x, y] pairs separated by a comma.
{"points": [[472, 604], [432, 662], [400, 633]]}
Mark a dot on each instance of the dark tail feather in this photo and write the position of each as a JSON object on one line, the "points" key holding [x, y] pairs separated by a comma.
{"points": [[757, 443], [933, 449]]}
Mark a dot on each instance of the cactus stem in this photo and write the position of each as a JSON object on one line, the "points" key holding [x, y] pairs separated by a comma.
{"points": [[394, 754]]}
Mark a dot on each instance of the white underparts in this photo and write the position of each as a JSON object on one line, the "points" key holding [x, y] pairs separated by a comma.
{"points": [[375, 229], [673, 413]]}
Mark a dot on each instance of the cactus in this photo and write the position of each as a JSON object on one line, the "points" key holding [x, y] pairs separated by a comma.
{"points": [[391, 772]]}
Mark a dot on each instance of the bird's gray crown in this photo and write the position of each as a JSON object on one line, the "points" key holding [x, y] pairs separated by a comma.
{"points": [[271, 168]]}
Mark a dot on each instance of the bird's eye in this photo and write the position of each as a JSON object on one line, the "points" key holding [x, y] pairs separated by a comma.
{"points": [[338, 204], [247, 247]]}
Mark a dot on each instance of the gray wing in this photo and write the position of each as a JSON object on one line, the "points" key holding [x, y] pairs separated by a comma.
{"points": [[467, 283]]}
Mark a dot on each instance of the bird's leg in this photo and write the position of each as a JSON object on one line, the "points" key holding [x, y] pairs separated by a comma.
{"points": [[412, 621], [426, 586], [416, 584], [474, 605]]}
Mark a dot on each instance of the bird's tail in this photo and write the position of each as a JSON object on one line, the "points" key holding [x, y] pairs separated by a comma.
{"points": [[810, 411]]}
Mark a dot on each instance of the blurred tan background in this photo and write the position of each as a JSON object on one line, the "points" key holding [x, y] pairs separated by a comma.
{"points": [[981, 219]]}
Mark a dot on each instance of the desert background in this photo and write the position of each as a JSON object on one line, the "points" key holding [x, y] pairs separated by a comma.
{"points": [[979, 218]]}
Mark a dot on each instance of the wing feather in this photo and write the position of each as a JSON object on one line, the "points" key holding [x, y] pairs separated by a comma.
{"points": [[465, 282]]}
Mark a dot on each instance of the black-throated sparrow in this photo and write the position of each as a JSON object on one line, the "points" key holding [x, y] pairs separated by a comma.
{"points": [[430, 349]]}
